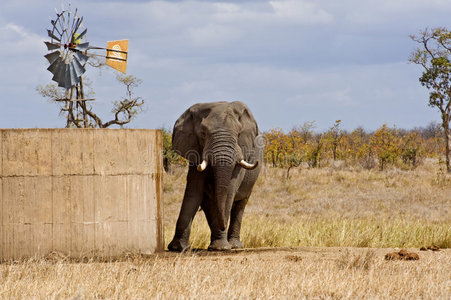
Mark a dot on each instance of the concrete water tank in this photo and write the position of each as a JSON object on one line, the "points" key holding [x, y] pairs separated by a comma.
{"points": [[80, 192]]}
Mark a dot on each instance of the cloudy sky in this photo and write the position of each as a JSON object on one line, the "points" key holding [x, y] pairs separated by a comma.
{"points": [[290, 61]]}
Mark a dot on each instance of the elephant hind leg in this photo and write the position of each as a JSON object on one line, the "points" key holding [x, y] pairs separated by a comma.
{"points": [[236, 217]]}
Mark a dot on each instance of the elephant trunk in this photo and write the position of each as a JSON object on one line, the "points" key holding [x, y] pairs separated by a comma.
{"points": [[222, 177], [222, 155]]}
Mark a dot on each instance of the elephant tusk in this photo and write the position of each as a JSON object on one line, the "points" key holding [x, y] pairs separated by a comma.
{"points": [[247, 165], [201, 167]]}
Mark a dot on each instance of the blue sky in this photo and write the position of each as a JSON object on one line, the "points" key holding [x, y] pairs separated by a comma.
{"points": [[290, 61]]}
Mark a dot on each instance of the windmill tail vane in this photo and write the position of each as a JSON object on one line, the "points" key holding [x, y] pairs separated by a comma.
{"points": [[116, 54], [69, 54]]}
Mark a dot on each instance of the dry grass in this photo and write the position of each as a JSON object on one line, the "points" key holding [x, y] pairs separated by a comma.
{"points": [[286, 273], [318, 211], [336, 232], [335, 207]]}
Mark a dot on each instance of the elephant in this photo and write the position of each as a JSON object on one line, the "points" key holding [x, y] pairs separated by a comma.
{"points": [[225, 149]]}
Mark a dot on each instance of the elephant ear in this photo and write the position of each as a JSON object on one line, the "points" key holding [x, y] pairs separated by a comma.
{"points": [[249, 129], [184, 139]]}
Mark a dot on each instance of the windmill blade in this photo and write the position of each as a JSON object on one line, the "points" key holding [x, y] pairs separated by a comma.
{"points": [[80, 57], [59, 74], [68, 18], [51, 35], [82, 34], [52, 46], [62, 23], [75, 22], [55, 27], [71, 78], [77, 25], [61, 78], [51, 57], [83, 46], [57, 69], [78, 67], [54, 66], [71, 26], [63, 18], [65, 78]]}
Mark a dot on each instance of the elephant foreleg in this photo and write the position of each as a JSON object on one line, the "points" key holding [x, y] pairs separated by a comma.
{"points": [[191, 202], [218, 239], [236, 216]]}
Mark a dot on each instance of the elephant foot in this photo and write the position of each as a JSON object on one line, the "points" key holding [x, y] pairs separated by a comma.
{"points": [[219, 245], [235, 243], [178, 246]]}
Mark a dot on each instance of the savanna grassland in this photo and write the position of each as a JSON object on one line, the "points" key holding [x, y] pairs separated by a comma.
{"points": [[336, 206], [322, 233]]}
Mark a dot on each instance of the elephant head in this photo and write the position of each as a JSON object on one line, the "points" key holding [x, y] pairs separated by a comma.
{"points": [[219, 136]]}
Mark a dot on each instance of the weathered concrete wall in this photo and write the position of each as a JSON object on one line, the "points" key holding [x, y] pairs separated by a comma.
{"points": [[82, 192]]}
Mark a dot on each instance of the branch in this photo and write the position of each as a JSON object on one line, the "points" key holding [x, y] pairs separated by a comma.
{"points": [[129, 108], [91, 114]]}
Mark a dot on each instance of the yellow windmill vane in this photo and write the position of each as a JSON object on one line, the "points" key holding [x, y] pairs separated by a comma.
{"points": [[116, 55]]}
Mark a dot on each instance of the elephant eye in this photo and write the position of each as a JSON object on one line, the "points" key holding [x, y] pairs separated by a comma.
{"points": [[203, 131]]}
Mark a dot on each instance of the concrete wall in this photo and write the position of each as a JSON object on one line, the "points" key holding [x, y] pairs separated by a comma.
{"points": [[82, 192]]}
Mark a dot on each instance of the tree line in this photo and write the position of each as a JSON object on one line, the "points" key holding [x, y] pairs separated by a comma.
{"points": [[382, 148], [304, 145]]}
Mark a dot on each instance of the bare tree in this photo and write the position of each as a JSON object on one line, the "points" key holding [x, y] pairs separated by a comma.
{"points": [[79, 113]]}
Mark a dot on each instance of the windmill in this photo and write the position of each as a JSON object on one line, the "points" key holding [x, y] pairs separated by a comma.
{"points": [[68, 54]]}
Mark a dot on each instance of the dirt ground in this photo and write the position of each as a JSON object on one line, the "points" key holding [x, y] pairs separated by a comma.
{"points": [[318, 272], [305, 253]]}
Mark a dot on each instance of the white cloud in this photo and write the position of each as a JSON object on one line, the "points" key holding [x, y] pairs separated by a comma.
{"points": [[394, 13], [328, 97], [17, 40], [273, 12], [22, 55], [301, 12], [213, 35]]}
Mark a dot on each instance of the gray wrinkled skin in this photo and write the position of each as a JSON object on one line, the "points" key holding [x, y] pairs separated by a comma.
{"points": [[222, 134]]}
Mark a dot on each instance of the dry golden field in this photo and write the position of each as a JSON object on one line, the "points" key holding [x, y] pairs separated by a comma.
{"points": [[335, 206], [319, 273], [321, 234]]}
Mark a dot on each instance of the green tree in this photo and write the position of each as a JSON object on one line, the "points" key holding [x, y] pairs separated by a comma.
{"points": [[294, 150], [433, 54], [359, 149], [334, 137], [316, 146], [385, 143], [275, 146], [411, 145]]}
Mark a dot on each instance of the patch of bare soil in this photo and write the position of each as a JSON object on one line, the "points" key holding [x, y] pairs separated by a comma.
{"points": [[297, 254]]}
